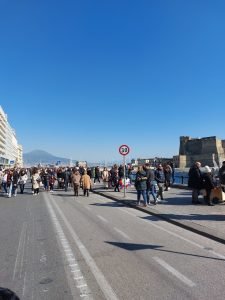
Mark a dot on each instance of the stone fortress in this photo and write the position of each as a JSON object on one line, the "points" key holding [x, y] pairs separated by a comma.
{"points": [[209, 151]]}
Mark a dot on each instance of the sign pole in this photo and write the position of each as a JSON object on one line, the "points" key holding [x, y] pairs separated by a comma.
{"points": [[124, 150], [124, 170]]}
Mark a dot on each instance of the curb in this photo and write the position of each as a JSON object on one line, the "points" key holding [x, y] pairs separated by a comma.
{"points": [[207, 232]]}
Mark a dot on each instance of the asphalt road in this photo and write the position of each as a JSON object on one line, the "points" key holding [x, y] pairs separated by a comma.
{"points": [[56, 246]]}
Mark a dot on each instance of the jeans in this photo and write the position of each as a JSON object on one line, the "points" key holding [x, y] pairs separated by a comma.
{"points": [[14, 190], [151, 191], [22, 185], [144, 195], [4, 184]]}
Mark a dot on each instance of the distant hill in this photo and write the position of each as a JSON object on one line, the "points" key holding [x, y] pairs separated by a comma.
{"points": [[36, 157]]}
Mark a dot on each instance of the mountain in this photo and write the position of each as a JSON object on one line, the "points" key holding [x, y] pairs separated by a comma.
{"points": [[36, 157]]}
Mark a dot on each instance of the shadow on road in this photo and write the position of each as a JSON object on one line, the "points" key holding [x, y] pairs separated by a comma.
{"points": [[136, 247]]}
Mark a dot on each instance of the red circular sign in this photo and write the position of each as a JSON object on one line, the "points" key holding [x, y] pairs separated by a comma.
{"points": [[124, 150]]}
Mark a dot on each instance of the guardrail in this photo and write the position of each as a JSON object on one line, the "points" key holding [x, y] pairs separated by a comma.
{"points": [[180, 179]]}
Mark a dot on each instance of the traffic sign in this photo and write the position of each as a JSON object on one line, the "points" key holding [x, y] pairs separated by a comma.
{"points": [[124, 150]]}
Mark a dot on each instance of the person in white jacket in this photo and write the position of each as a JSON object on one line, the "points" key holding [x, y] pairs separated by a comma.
{"points": [[22, 180]]}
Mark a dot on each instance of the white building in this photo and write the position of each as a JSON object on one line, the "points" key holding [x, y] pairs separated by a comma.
{"points": [[11, 153]]}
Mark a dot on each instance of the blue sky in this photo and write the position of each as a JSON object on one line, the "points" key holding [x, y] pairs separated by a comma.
{"points": [[80, 78]]}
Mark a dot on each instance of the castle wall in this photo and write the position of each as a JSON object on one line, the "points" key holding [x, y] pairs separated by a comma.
{"points": [[192, 150]]}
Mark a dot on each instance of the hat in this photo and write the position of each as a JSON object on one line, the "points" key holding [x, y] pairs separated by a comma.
{"points": [[207, 169]]}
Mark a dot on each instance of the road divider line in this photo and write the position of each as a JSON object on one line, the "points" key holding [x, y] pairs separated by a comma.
{"points": [[103, 219], [174, 272], [151, 223], [100, 278], [122, 233]]}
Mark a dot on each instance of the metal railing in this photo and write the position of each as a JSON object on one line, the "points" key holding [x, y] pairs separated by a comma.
{"points": [[180, 179]]}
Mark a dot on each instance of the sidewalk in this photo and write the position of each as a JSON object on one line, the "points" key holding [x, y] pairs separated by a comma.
{"points": [[177, 208]]}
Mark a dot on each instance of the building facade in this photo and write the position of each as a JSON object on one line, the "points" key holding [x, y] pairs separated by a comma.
{"points": [[11, 153], [208, 150]]}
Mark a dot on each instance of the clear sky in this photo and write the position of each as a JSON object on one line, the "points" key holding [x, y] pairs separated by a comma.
{"points": [[80, 78]]}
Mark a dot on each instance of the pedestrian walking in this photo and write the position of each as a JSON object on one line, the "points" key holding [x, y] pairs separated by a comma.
{"points": [[97, 174], [105, 178], [51, 182], [9, 183], [22, 180], [168, 175], [151, 183], [116, 181], [141, 185], [15, 181], [76, 180], [160, 179], [86, 183], [36, 179]]}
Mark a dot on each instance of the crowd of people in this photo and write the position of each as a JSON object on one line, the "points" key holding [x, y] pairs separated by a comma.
{"points": [[153, 182], [148, 181], [205, 180], [62, 177]]}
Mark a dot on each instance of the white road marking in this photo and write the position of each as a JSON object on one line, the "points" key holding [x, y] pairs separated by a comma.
{"points": [[70, 257], [73, 265], [173, 233], [20, 248], [102, 282], [103, 219], [122, 233], [173, 271]]}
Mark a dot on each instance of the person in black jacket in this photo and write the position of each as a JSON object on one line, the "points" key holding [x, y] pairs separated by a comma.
{"points": [[141, 185], [195, 181], [160, 179], [150, 174], [207, 184]]}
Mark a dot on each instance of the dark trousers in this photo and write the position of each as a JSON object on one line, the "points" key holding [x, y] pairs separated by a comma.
{"points": [[160, 191], [22, 188], [207, 197], [36, 191], [76, 189], [117, 187], [96, 178], [86, 192]]}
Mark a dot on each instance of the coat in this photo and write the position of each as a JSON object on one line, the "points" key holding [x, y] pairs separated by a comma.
{"points": [[207, 182], [75, 179], [195, 178], [36, 181], [86, 182], [141, 181]]}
